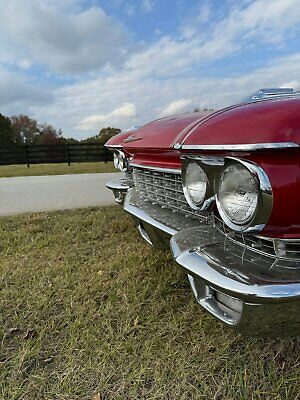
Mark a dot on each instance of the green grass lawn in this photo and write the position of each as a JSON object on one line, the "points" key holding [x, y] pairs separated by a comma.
{"points": [[88, 311], [55, 169]]}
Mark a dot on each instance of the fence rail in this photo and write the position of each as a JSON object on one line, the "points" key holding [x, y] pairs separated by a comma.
{"points": [[56, 153]]}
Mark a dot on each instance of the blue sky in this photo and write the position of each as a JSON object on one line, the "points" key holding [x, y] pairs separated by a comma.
{"points": [[85, 64]]}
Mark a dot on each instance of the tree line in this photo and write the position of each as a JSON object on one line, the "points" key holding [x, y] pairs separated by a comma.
{"points": [[23, 130]]}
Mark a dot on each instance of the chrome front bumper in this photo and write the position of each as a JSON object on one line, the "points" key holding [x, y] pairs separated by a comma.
{"points": [[253, 293]]}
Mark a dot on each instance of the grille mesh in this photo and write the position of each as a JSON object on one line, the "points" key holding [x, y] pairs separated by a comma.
{"points": [[161, 188]]}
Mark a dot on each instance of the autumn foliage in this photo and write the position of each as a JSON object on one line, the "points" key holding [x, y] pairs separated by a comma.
{"points": [[23, 130]]}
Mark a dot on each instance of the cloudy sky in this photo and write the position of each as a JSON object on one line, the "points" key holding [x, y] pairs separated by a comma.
{"points": [[85, 64]]}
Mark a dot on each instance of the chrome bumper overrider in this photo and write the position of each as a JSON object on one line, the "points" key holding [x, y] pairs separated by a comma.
{"points": [[253, 293], [119, 188]]}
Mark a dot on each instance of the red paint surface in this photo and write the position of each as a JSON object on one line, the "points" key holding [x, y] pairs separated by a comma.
{"points": [[159, 160], [157, 135], [283, 170], [265, 122]]}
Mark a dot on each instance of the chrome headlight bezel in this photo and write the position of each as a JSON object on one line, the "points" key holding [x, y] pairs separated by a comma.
{"points": [[120, 161], [264, 203], [189, 163]]}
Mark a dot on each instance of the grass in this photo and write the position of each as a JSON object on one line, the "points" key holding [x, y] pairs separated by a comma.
{"points": [[88, 311], [55, 169]]}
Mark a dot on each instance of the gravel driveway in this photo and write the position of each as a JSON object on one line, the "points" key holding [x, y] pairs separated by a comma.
{"points": [[56, 192]]}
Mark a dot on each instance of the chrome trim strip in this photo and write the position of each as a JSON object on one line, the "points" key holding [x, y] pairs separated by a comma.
{"points": [[239, 147], [271, 239], [267, 96], [211, 160], [132, 138], [140, 214], [167, 170], [113, 146], [144, 234]]}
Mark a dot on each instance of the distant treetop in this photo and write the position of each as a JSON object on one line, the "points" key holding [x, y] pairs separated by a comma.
{"points": [[23, 130], [103, 135]]}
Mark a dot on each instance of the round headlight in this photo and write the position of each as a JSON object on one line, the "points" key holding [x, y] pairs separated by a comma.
{"points": [[238, 194], [195, 185], [116, 160], [120, 161]]}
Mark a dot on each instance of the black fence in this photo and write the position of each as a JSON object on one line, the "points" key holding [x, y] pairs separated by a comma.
{"points": [[56, 153]]}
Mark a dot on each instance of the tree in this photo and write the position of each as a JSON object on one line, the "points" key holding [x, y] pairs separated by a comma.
{"points": [[109, 131], [49, 135], [6, 131], [70, 140], [103, 135], [28, 131], [25, 129]]}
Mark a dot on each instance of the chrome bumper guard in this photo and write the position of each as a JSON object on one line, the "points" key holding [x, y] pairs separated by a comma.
{"points": [[251, 292], [119, 188]]}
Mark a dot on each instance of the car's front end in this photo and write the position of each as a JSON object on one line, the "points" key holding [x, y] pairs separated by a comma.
{"points": [[223, 191]]}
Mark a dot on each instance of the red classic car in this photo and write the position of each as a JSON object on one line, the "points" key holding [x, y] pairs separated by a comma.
{"points": [[223, 191]]}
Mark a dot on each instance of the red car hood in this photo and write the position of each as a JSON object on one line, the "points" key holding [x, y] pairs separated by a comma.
{"points": [[262, 122], [160, 135]]}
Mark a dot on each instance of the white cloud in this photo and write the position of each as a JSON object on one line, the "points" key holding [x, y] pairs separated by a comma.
{"points": [[60, 36], [260, 21], [265, 20], [176, 107], [129, 10], [151, 96], [18, 93], [126, 112], [291, 84], [148, 5], [165, 77], [195, 21], [24, 63]]}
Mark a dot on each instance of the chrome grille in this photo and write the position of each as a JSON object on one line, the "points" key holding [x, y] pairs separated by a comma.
{"points": [[281, 249], [162, 188], [259, 244]]}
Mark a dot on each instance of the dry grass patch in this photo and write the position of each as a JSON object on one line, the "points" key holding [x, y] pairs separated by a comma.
{"points": [[88, 310], [8, 171]]}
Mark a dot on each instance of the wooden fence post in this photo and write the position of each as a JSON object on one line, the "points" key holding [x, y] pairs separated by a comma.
{"points": [[105, 155], [68, 154], [27, 157]]}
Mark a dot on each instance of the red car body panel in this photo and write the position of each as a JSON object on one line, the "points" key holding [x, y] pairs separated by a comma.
{"points": [[262, 122], [159, 135], [283, 170], [169, 159]]}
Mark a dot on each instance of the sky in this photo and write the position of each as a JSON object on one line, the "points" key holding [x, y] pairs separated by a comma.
{"points": [[82, 65]]}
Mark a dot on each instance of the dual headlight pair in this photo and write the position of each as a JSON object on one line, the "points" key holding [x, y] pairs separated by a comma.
{"points": [[242, 192], [120, 161]]}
